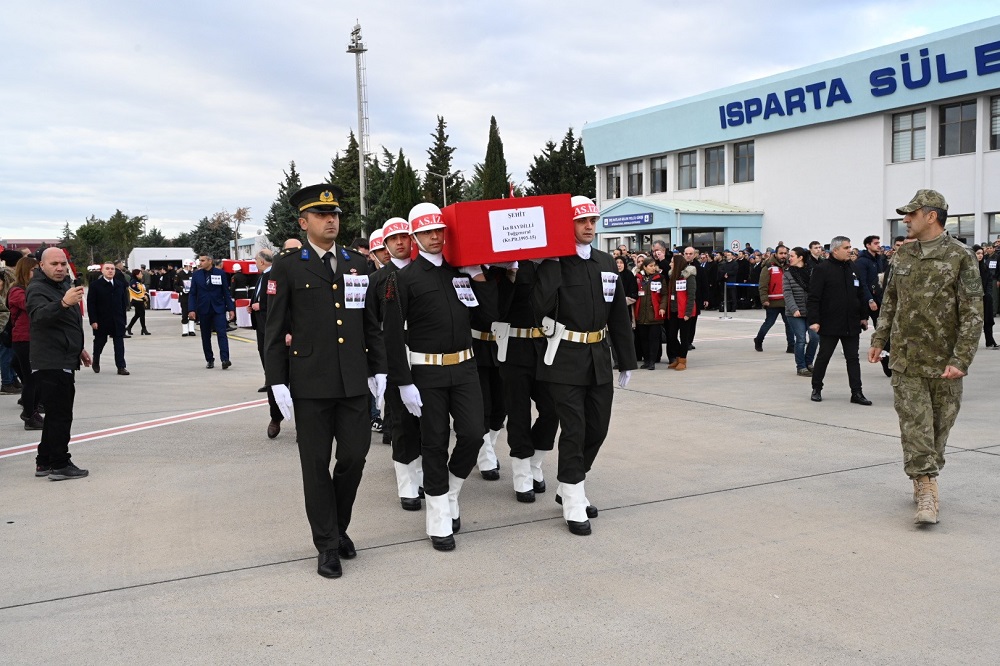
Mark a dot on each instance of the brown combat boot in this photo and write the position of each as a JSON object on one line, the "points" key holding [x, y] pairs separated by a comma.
{"points": [[927, 505], [682, 364], [673, 364]]}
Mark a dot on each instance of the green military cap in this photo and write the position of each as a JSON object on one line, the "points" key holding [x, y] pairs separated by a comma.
{"points": [[923, 198], [322, 198]]}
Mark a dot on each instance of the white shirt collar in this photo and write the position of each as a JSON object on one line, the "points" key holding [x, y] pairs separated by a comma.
{"points": [[583, 250], [436, 259], [401, 263]]}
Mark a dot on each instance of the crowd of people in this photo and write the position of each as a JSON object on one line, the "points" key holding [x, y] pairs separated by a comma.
{"points": [[344, 334]]}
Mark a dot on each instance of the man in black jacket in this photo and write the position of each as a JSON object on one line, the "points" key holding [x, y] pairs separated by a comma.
{"points": [[107, 302], [869, 264], [258, 321], [56, 354], [837, 311]]}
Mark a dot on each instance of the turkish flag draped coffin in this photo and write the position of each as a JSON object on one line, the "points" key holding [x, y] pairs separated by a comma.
{"points": [[502, 230], [247, 266]]}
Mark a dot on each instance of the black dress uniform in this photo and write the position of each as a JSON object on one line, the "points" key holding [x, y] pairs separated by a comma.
{"points": [[182, 285], [525, 347], [439, 329], [334, 350], [579, 380], [258, 321], [403, 426], [491, 386]]}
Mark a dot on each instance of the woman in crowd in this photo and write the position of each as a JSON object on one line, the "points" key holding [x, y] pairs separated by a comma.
{"points": [[681, 308], [795, 290], [21, 335], [649, 311], [988, 318], [8, 379], [137, 293], [627, 280]]}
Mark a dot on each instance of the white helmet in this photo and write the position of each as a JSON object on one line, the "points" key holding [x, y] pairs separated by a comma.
{"points": [[424, 217], [393, 226], [583, 207], [375, 241]]}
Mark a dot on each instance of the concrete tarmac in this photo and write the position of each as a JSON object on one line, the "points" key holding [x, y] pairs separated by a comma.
{"points": [[740, 523]]}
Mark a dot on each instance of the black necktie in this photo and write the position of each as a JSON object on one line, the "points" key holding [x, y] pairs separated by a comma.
{"points": [[328, 260]]}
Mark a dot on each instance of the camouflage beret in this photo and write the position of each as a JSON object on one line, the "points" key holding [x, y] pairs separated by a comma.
{"points": [[924, 198]]}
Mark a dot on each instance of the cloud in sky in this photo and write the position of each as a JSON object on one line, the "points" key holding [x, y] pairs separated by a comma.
{"points": [[178, 110]]}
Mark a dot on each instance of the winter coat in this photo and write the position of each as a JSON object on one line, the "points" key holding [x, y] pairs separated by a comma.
{"points": [[836, 299]]}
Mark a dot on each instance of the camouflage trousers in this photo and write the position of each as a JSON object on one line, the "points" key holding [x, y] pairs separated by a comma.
{"points": [[927, 408]]}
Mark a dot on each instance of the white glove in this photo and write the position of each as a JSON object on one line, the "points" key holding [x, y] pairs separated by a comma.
{"points": [[410, 396], [471, 271], [283, 398], [379, 391], [506, 265], [623, 378]]}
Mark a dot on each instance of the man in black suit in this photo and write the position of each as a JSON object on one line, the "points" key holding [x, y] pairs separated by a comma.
{"points": [[258, 319], [323, 374], [583, 304], [439, 306], [107, 302]]}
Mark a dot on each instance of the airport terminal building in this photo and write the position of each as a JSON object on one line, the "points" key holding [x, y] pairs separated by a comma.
{"points": [[829, 149]]}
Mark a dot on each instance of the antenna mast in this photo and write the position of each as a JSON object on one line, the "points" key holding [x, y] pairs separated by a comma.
{"points": [[357, 47]]}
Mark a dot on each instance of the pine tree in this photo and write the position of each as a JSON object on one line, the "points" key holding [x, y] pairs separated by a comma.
{"points": [[404, 190], [282, 220], [379, 179], [496, 183], [212, 236], [562, 169], [344, 174], [439, 160]]}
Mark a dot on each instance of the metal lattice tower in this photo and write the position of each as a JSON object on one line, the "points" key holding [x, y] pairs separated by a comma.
{"points": [[357, 47]]}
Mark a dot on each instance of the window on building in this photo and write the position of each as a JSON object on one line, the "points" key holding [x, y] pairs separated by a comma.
{"points": [[995, 123], [613, 176], [704, 239], [961, 226], [958, 128], [658, 175], [909, 136], [743, 162], [715, 166], [687, 170], [896, 228], [993, 225], [635, 179]]}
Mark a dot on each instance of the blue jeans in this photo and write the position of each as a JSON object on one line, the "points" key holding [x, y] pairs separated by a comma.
{"points": [[804, 354], [770, 316], [6, 372]]}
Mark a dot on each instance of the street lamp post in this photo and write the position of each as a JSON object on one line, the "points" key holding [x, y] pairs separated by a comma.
{"points": [[444, 183]]}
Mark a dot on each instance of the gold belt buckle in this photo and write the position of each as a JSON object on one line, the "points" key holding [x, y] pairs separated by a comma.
{"points": [[450, 359], [593, 337]]}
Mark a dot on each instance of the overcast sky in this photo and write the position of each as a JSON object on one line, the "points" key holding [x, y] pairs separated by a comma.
{"points": [[180, 109]]}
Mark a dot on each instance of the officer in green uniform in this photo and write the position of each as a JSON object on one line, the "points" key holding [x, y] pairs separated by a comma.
{"points": [[316, 294], [932, 312]]}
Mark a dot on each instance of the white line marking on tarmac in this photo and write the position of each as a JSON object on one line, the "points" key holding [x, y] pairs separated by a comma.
{"points": [[136, 427]]}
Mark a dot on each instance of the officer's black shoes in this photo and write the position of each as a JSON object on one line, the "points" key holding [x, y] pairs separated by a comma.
{"points": [[95, 364], [758, 344], [226, 365], [817, 396], [70, 471], [210, 365], [591, 509], [329, 564], [538, 486], [860, 399], [346, 549], [456, 525], [411, 503], [526, 497], [579, 528], [273, 428], [491, 474], [443, 543], [123, 372]]}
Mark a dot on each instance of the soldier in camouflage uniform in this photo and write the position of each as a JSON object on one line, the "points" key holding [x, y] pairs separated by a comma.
{"points": [[932, 310]]}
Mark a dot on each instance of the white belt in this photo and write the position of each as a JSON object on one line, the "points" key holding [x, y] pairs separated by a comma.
{"points": [[589, 337], [485, 336], [416, 358], [526, 333]]}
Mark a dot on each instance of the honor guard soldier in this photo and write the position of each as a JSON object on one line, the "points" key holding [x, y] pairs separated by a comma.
{"points": [[377, 251], [182, 285], [316, 295], [491, 386], [582, 303], [520, 346], [439, 306], [403, 426]]}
